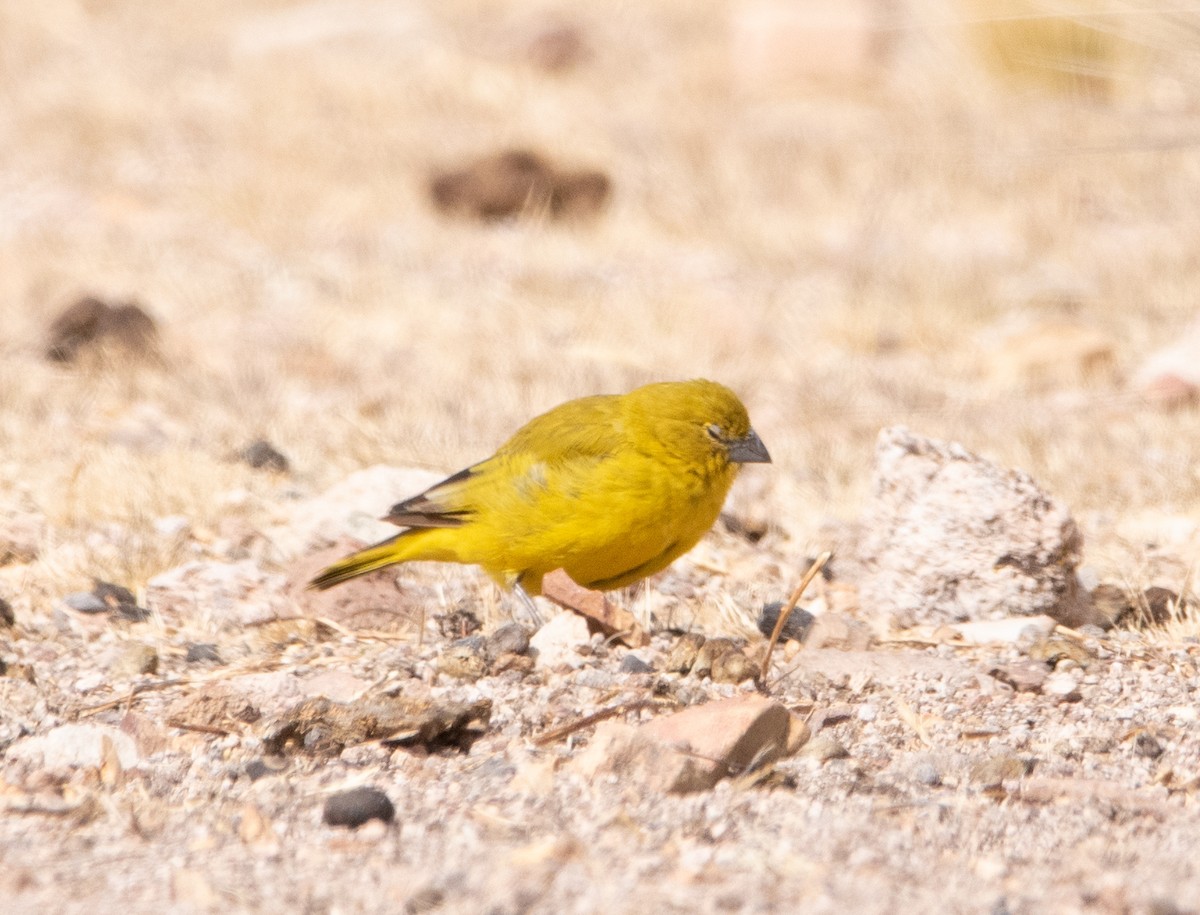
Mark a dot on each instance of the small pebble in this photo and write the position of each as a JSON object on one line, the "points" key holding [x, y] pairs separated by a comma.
{"points": [[825, 747], [511, 638], [113, 595], [85, 602], [794, 629], [464, 658], [1062, 686], [926, 773], [262, 455], [202, 651], [632, 664], [136, 660], [357, 806], [1147, 745]]}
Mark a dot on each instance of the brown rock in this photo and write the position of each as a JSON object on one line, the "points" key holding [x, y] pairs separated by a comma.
{"points": [[216, 706], [708, 653], [376, 601], [683, 654], [1161, 604], [518, 182], [135, 660], [721, 738], [324, 727], [1022, 676], [465, 659], [90, 321], [733, 666], [694, 749], [824, 747]]}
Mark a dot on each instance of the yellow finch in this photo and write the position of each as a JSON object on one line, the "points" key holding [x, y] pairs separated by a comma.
{"points": [[609, 488]]}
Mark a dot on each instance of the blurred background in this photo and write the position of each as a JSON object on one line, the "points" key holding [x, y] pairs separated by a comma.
{"points": [[374, 231]]}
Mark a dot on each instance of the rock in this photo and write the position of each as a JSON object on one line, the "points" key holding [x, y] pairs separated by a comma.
{"points": [[1170, 377], [121, 601], [558, 641], [137, 659], [516, 183], [216, 706], [200, 652], [1013, 630], [324, 727], [85, 602], [1052, 649], [377, 600], [1147, 745], [995, 770], [1162, 605], [708, 653], [466, 658], [7, 617], [262, 455], [694, 749], [70, 746], [90, 321], [682, 656], [795, 628], [350, 509], [949, 536], [733, 666], [835, 630], [1062, 686], [1112, 605], [1050, 354], [511, 638], [632, 664], [1022, 676], [234, 594], [357, 806], [825, 747]]}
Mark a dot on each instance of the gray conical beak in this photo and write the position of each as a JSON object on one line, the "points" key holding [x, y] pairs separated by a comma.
{"points": [[749, 450]]}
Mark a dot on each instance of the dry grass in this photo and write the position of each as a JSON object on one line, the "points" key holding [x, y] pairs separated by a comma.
{"points": [[254, 174]]}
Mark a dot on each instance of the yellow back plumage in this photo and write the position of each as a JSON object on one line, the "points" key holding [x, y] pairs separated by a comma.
{"points": [[610, 488]]}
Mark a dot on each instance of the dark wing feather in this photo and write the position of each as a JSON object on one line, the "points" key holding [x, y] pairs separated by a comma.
{"points": [[436, 506]]}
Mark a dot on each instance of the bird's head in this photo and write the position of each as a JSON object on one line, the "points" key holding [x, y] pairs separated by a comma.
{"points": [[700, 422]]}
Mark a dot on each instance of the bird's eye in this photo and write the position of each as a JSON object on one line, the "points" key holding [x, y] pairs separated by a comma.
{"points": [[714, 432]]}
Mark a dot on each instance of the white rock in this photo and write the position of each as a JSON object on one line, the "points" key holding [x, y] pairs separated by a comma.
{"points": [[75, 746], [351, 508], [949, 536], [557, 642]]}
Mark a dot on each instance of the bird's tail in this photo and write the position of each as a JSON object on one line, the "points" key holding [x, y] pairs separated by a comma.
{"points": [[386, 553]]}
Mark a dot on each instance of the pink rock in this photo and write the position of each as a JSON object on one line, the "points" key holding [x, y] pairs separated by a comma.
{"points": [[694, 749]]}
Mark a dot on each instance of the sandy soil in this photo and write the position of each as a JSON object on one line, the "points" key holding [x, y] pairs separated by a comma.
{"points": [[872, 244]]}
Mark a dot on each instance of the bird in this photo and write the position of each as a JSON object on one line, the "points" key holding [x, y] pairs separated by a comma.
{"points": [[610, 488]]}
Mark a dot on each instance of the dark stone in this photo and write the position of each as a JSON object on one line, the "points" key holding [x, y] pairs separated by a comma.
{"points": [[355, 807], [794, 629], [262, 455]]}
